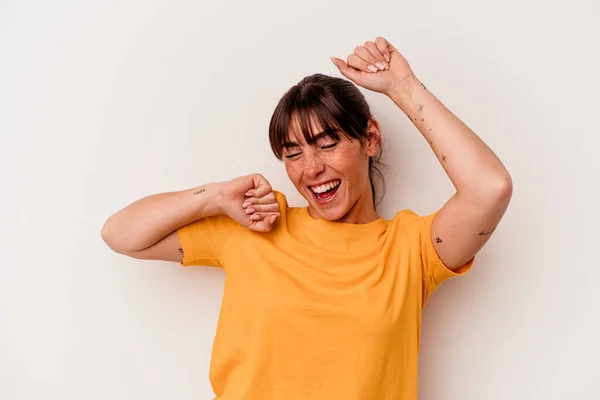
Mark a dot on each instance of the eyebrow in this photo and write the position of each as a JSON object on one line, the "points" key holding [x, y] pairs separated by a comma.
{"points": [[315, 138]]}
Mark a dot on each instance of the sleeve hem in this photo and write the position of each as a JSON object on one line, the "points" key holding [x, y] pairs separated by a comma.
{"points": [[186, 244], [191, 261], [463, 269]]}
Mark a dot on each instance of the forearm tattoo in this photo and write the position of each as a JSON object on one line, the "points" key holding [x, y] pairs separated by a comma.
{"points": [[200, 191]]}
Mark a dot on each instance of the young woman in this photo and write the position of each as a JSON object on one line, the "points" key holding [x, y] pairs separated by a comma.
{"points": [[325, 301]]}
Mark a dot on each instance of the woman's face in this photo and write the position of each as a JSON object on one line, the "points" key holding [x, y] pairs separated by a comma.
{"points": [[333, 176]]}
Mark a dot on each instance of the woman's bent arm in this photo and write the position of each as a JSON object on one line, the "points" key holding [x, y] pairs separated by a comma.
{"points": [[147, 227]]}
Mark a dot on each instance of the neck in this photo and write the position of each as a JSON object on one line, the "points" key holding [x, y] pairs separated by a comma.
{"points": [[362, 212]]}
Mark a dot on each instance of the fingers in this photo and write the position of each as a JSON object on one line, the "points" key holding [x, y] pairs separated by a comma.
{"points": [[262, 216], [371, 54], [260, 208], [360, 64], [261, 205], [371, 57], [261, 186], [350, 73], [269, 198], [270, 207], [384, 48], [266, 225], [261, 191]]}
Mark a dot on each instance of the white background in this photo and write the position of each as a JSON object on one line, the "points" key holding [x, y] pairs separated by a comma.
{"points": [[102, 103]]}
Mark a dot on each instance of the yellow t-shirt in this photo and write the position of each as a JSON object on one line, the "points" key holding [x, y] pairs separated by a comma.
{"points": [[316, 309]]}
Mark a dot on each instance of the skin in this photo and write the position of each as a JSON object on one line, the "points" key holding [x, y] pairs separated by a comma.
{"points": [[327, 160], [146, 228]]}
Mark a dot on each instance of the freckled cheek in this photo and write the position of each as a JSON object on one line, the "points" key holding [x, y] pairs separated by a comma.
{"points": [[342, 160], [293, 172], [348, 162]]}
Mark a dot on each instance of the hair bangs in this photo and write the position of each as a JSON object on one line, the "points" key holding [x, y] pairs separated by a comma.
{"points": [[313, 119], [305, 108]]}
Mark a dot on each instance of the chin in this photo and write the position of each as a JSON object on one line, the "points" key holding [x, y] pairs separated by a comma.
{"points": [[331, 209]]}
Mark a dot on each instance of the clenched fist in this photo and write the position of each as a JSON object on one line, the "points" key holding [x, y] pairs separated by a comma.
{"points": [[250, 201]]}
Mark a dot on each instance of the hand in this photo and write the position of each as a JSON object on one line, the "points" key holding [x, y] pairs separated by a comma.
{"points": [[251, 202], [376, 66]]}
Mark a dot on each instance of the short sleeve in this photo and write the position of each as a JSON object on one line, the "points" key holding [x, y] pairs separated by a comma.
{"points": [[434, 270], [203, 241]]}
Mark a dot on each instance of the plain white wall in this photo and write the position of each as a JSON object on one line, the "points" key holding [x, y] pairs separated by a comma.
{"points": [[102, 103]]}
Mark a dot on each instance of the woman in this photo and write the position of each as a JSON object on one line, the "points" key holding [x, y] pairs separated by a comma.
{"points": [[324, 301]]}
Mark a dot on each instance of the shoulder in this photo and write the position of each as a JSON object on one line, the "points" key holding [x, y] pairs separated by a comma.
{"points": [[409, 217], [281, 199], [284, 207], [411, 223]]}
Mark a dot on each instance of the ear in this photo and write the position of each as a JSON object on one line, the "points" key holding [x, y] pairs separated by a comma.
{"points": [[373, 140]]}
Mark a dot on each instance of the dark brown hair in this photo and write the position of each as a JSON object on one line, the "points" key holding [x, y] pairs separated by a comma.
{"points": [[334, 103]]}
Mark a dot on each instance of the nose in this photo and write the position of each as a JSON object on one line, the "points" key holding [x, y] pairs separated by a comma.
{"points": [[314, 165]]}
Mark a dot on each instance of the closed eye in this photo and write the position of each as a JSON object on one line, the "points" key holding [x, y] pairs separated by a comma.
{"points": [[329, 146], [325, 147]]}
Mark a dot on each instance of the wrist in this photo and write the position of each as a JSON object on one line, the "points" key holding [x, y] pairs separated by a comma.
{"points": [[208, 200], [217, 198], [404, 91]]}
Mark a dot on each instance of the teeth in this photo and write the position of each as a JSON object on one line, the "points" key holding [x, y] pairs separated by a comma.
{"points": [[326, 187]]}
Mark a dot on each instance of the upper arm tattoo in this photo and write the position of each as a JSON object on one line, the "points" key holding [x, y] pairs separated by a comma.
{"points": [[483, 233]]}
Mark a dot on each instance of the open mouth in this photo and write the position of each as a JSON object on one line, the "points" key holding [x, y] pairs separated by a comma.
{"points": [[326, 191]]}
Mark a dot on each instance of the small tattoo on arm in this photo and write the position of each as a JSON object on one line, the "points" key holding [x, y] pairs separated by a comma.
{"points": [[423, 86], [180, 251], [483, 233], [438, 240], [444, 158], [420, 107], [200, 191]]}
